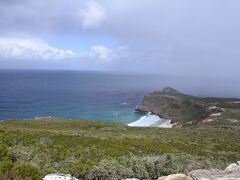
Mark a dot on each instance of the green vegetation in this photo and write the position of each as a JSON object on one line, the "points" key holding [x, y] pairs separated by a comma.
{"points": [[30, 149], [11, 167]]}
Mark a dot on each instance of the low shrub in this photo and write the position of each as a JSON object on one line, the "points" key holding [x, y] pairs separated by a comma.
{"points": [[5, 154], [80, 169], [150, 167], [25, 171], [110, 169], [6, 168]]}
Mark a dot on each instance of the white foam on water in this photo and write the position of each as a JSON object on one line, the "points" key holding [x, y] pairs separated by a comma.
{"points": [[151, 120]]}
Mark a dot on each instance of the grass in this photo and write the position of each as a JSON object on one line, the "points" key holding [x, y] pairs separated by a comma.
{"points": [[79, 147]]}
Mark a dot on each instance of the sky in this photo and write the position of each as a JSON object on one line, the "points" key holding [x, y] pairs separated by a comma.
{"points": [[170, 37]]}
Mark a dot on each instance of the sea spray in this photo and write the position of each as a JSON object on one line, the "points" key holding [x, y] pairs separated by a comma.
{"points": [[151, 120]]}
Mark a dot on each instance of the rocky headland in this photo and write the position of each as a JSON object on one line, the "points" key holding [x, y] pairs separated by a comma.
{"points": [[186, 110]]}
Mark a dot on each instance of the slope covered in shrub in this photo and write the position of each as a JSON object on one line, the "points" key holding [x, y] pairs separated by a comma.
{"points": [[95, 150]]}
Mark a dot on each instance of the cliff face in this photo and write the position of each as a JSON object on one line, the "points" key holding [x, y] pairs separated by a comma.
{"points": [[171, 104], [186, 109]]}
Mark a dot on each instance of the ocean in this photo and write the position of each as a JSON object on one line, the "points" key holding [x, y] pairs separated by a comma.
{"points": [[73, 94], [90, 95]]}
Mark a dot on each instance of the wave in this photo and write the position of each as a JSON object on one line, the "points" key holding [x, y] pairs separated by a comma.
{"points": [[151, 120]]}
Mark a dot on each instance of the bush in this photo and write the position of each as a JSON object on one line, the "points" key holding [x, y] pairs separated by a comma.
{"points": [[80, 169], [58, 153], [6, 169], [110, 169], [150, 167], [4, 153], [24, 171]]}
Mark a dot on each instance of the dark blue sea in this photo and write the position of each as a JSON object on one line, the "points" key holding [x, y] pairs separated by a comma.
{"points": [[90, 95], [73, 94]]}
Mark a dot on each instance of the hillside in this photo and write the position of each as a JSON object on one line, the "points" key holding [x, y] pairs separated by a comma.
{"points": [[101, 150], [187, 110]]}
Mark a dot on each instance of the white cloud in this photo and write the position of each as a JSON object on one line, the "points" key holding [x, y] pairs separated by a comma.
{"points": [[92, 16], [37, 49], [25, 48]]}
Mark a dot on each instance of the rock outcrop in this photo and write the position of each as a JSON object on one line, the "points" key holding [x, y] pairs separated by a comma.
{"points": [[175, 177], [232, 172], [169, 90], [59, 177], [45, 140]]}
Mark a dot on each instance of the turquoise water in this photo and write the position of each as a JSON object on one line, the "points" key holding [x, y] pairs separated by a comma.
{"points": [[72, 94]]}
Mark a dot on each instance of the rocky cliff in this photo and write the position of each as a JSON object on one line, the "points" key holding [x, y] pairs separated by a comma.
{"points": [[185, 109]]}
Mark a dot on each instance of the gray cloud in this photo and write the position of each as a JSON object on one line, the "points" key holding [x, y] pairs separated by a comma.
{"points": [[39, 17], [169, 36]]}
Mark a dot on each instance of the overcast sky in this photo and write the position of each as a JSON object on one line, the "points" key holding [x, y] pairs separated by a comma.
{"points": [[171, 37]]}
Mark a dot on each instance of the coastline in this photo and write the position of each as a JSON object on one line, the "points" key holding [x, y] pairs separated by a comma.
{"points": [[148, 120], [151, 120]]}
